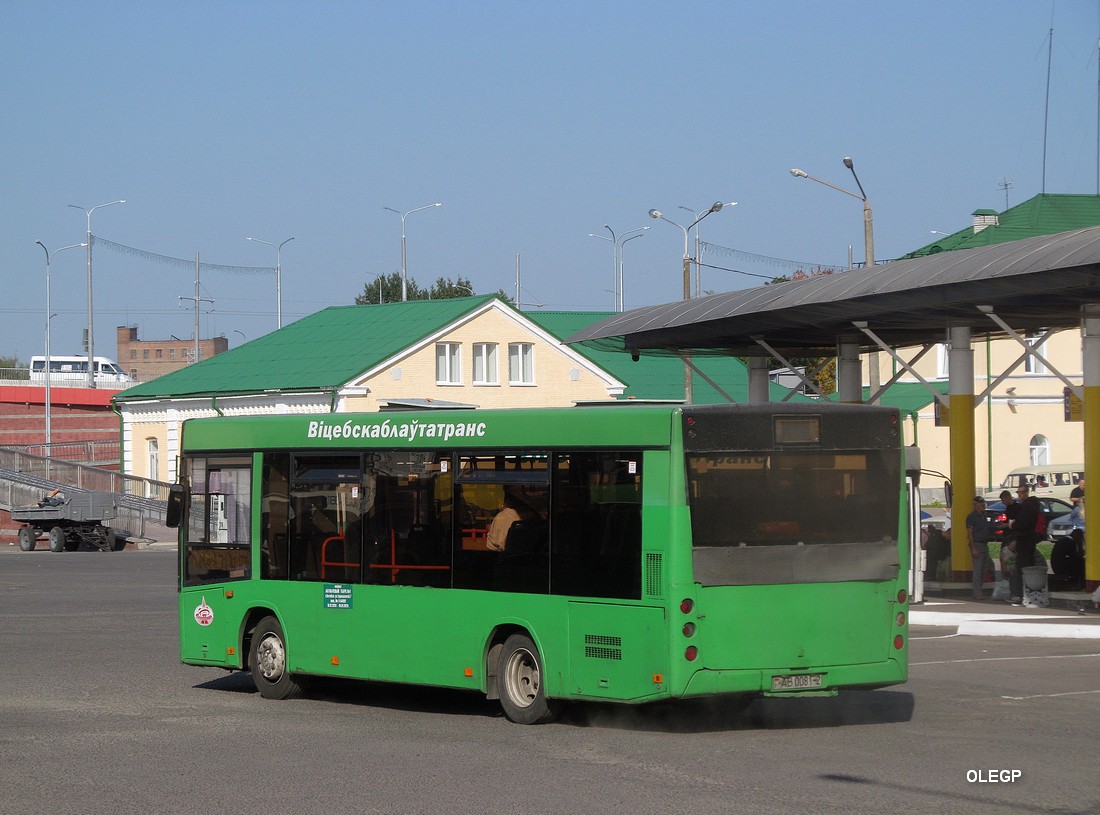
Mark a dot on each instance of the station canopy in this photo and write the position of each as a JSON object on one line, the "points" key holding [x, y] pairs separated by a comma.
{"points": [[1032, 284]]}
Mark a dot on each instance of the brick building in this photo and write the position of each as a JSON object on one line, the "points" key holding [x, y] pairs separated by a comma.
{"points": [[148, 359]]}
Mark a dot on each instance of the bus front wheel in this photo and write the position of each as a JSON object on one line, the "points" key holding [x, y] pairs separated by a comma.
{"points": [[519, 676], [268, 663]]}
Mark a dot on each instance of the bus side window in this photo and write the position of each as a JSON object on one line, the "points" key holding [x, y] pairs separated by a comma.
{"points": [[596, 524], [324, 503]]}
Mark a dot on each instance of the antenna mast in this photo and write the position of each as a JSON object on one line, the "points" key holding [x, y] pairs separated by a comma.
{"points": [[1046, 107]]}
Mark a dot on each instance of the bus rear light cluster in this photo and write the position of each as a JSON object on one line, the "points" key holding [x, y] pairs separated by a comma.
{"points": [[687, 605], [900, 619], [690, 653], [899, 642], [903, 596], [689, 629]]}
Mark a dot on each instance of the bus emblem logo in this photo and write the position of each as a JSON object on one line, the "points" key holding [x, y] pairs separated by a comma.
{"points": [[204, 615]]}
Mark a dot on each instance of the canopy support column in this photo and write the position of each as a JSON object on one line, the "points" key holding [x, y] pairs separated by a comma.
{"points": [[758, 379], [849, 372], [1091, 368], [961, 419]]}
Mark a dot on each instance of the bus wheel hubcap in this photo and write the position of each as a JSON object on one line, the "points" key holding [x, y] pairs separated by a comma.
{"points": [[522, 678], [271, 657]]}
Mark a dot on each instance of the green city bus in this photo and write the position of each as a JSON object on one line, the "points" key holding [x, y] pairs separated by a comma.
{"points": [[641, 553]]}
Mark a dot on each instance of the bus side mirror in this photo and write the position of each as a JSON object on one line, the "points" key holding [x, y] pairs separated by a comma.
{"points": [[176, 499], [948, 493]]}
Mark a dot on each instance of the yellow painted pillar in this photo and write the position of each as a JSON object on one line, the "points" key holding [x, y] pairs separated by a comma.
{"points": [[961, 412], [1091, 368]]}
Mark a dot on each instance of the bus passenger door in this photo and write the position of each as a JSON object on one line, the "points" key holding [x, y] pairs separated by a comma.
{"points": [[208, 627]]}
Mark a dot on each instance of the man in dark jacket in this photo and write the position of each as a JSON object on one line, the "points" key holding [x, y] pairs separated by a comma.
{"points": [[1027, 516]]}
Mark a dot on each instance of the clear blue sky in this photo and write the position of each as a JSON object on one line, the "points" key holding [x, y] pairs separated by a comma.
{"points": [[533, 123]]}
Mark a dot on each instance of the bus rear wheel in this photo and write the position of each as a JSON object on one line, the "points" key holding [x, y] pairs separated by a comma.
{"points": [[268, 663], [519, 677]]}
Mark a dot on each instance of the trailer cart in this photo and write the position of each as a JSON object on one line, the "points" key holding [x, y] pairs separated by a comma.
{"points": [[69, 522]]}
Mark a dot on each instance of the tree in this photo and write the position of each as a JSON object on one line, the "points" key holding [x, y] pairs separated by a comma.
{"points": [[14, 368], [444, 288], [387, 289], [825, 378]]}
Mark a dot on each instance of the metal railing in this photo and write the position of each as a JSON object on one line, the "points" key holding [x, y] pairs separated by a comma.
{"points": [[25, 478], [81, 476], [94, 452], [75, 379]]}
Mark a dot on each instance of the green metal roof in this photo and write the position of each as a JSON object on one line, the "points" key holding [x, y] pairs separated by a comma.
{"points": [[326, 350], [908, 397], [323, 351], [654, 377], [1044, 214]]}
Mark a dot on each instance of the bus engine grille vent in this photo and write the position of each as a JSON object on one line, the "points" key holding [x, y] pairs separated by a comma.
{"points": [[653, 578], [597, 646]]}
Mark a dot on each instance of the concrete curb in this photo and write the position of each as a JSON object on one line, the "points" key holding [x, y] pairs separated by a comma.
{"points": [[993, 624], [987, 628]]}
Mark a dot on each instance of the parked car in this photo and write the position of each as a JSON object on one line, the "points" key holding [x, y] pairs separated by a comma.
{"points": [[998, 522], [1064, 525]]}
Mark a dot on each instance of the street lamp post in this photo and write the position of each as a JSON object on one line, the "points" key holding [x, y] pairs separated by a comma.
{"points": [[404, 270], [616, 259], [699, 248], [656, 213], [868, 247], [622, 245], [49, 316], [868, 218], [91, 337], [278, 276]]}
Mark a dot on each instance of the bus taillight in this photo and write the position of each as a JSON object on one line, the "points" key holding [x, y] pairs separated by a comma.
{"points": [[687, 605], [903, 596], [690, 653], [900, 619], [899, 642], [689, 629]]}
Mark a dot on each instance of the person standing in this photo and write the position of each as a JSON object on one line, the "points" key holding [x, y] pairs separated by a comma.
{"points": [[1077, 494], [978, 534], [1023, 527]]}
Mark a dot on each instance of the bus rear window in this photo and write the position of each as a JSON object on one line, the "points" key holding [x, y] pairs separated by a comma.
{"points": [[793, 497]]}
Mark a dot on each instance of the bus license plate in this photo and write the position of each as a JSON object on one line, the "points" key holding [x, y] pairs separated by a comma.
{"points": [[797, 681]]}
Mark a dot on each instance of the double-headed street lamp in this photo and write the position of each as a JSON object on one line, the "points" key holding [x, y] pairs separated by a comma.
{"points": [[278, 276], [404, 270], [699, 246], [617, 259], [868, 219], [868, 246], [91, 337], [49, 316], [656, 213]]}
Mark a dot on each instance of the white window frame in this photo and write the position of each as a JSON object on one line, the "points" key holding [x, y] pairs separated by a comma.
{"points": [[1039, 450], [943, 368], [1033, 365], [522, 374], [448, 363], [485, 364]]}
